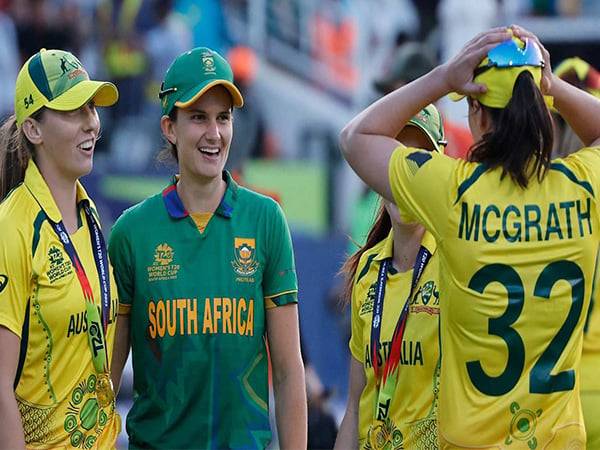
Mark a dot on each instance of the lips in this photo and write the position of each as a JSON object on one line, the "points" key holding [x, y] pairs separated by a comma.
{"points": [[87, 145], [211, 151]]}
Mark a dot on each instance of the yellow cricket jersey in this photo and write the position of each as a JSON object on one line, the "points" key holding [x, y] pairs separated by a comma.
{"points": [[516, 270], [411, 422], [590, 358], [41, 301]]}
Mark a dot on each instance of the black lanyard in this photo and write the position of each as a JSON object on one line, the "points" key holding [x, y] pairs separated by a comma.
{"points": [[423, 257]]}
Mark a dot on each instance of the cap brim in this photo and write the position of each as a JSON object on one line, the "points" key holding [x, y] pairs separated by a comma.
{"points": [[102, 93], [432, 140], [455, 96], [192, 95]]}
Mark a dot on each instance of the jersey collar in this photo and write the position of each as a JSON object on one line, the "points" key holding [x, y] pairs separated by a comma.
{"points": [[175, 207], [35, 183], [387, 249]]}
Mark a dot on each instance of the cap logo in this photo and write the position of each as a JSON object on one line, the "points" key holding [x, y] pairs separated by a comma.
{"points": [[208, 61]]}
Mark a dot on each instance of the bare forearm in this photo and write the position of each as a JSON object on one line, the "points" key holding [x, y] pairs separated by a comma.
{"points": [[578, 108], [11, 429], [120, 351], [347, 437], [290, 410]]}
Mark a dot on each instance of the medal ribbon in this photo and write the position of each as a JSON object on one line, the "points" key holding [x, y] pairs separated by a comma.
{"points": [[97, 316], [386, 383]]}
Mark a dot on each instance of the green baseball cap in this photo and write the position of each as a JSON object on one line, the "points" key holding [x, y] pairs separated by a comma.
{"points": [[55, 79], [192, 74], [429, 120]]}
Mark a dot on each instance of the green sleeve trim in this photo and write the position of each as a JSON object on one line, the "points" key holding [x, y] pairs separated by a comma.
{"points": [[282, 299]]}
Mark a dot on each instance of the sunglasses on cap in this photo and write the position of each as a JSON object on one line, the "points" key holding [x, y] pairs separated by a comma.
{"points": [[510, 54]]}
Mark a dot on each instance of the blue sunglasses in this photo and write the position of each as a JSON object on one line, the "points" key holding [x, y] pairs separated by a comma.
{"points": [[510, 54]]}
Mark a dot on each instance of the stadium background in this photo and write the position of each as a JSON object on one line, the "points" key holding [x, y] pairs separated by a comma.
{"points": [[307, 66]]}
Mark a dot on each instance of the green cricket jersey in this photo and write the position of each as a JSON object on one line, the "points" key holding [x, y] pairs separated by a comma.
{"points": [[197, 303]]}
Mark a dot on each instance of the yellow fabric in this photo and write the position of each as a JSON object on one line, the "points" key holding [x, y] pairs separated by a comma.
{"points": [[436, 191], [56, 390], [500, 83], [201, 220], [413, 409]]}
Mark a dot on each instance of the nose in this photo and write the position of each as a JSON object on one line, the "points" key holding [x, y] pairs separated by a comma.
{"points": [[212, 132], [91, 120]]}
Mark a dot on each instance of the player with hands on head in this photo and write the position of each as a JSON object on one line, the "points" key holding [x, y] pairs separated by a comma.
{"points": [[206, 278], [58, 298], [517, 237], [392, 284]]}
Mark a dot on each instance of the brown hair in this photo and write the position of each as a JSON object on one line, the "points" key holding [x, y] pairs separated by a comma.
{"points": [[521, 132], [378, 232], [15, 153], [168, 152]]}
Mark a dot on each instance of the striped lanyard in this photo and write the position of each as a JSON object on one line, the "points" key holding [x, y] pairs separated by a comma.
{"points": [[385, 383], [97, 316]]}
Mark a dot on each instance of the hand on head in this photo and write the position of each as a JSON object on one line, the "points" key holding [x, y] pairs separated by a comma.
{"points": [[547, 75], [458, 71]]}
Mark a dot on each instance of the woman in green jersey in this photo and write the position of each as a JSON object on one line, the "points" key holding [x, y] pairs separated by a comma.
{"points": [[517, 238], [58, 299], [397, 410], [206, 279]]}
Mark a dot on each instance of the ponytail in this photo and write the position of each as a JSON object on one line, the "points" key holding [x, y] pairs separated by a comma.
{"points": [[521, 137], [379, 231], [15, 153]]}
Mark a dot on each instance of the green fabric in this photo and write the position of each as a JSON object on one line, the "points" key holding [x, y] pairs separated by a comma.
{"points": [[204, 387]]}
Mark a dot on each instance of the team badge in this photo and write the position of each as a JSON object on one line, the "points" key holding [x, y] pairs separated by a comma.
{"points": [[162, 267], [367, 306], [208, 61], [245, 263], [60, 266]]}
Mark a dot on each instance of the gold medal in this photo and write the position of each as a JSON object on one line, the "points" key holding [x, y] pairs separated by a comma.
{"points": [[104, 390]]}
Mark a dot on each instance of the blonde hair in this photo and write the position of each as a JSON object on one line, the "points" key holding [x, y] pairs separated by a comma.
{"points": [[15, 153]]}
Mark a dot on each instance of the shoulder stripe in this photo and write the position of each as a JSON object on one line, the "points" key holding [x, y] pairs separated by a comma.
{"points": [[366, 267], [37, 225], [23, 347], [470, 181], [571, 176]]}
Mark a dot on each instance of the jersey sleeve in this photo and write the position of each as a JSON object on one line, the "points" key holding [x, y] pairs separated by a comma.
{"points": [[584, 165], [15, 279], [420, 182], [280, 285], [356, 338], [119, 250]]}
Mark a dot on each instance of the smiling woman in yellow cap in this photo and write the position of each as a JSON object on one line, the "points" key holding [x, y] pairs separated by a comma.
{"points": [[207, 279], [58, 300], [517, 238]]}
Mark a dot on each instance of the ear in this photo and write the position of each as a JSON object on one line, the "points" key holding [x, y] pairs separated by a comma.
{"points": [[32, 131], [167, 127]]}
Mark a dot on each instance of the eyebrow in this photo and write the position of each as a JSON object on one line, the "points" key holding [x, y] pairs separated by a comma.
{"points": [[201, 111]]}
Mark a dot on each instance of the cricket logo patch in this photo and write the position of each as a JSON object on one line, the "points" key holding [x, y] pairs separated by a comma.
{"points": [[60, 266], [162, 268], [245, 263]]}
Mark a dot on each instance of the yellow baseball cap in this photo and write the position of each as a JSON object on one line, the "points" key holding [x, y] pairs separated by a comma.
{"points": [[581, 74], [55, 79], [501, 68]]}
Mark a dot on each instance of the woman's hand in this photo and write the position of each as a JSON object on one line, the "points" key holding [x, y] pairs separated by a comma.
{"points": [[458, 71], [547, 75]]}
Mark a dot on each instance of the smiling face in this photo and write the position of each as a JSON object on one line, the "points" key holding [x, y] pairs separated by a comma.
{"points": [[65, 141], [202, 134]]}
